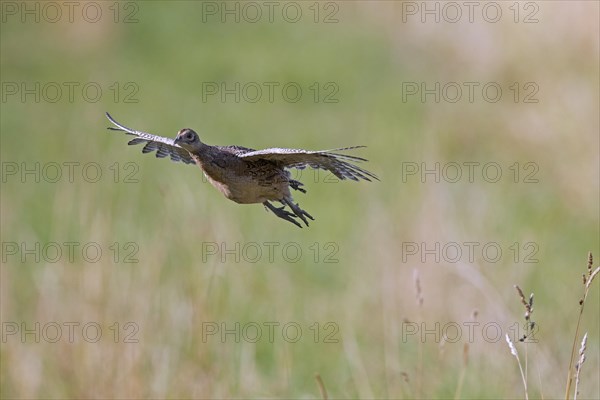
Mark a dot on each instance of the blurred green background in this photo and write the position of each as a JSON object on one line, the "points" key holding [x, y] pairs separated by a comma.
{"points": [[153, 63]]}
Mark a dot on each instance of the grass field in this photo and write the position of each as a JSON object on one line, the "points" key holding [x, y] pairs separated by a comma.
{"points": [[124, 276]]}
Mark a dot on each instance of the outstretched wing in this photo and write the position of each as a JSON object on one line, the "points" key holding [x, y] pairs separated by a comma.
{"points": [[164, 146], [338, 164], [235, 150]]}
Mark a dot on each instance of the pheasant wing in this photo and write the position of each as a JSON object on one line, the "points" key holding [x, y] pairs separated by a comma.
{"points": [[164, 146], [235, 150], [341, 165]]}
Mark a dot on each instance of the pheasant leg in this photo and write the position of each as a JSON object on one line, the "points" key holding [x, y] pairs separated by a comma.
{"points": [[283, 214], [298, 211], [296, 185]]}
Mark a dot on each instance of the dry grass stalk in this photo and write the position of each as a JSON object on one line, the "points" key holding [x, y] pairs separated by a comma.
{"points": [[463, 372], [578, 365], [419, 295], [321, 386], [587, 282], [529, 325], [513, 351], [418, 288]]}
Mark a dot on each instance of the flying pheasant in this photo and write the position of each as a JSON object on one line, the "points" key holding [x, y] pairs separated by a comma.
{"points": [[249, 176]]}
